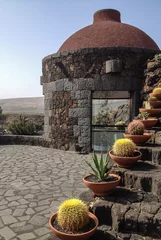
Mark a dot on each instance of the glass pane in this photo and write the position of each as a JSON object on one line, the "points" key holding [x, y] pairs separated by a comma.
{"points": [[110, 111], [104, 138]]}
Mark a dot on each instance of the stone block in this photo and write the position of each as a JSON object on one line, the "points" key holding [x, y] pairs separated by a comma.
{"points": [[75, 95], [41, 80], [118, 213], [86, 94], [156, 156], [79, 112], [86, 84], [76, 130], [84, 103], [83, 140], [68, 85], [75, 84], [51, 87], [85, 131], [145, 221], [114, 66], [59, 84], [130, 221], [158, 137], [84, 121]]}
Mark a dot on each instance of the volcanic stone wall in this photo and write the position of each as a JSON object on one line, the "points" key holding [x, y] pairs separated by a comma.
{"points": [[152, 76], [68, 79]]}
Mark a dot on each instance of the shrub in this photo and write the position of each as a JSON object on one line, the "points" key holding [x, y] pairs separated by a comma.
{"points": [[124, 147], [101, 166], [136, 128], [23, 126], [73, 215]]}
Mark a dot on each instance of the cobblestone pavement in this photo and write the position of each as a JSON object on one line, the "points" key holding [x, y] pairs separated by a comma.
{"points": [[33, 182]]}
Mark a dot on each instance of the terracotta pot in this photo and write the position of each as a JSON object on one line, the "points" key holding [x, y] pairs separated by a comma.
{"points": [[152, 112], [155, 104], [102, 188], [138, 139], [81, 236], [125, 162], [157, 95], [148, 123]]}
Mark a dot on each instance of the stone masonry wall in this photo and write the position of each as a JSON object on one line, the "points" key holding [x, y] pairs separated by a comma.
{"points": [[69, 78], [152, 76]]}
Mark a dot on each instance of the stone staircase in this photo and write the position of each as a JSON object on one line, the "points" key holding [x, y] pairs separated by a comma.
{"points": [[133, 210]]}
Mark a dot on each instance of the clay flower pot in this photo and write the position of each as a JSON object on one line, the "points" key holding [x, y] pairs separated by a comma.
{"points": [[67, 236], [148, 123], [102, 188], [155, 104], [152, 112], [125, 162], [138, 139], [157, 95]]}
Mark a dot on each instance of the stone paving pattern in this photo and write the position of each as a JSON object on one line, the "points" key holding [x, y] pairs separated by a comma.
{"points": [[33, 182]]}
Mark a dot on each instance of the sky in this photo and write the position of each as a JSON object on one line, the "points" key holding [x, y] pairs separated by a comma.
{"points": [[33, 29]]}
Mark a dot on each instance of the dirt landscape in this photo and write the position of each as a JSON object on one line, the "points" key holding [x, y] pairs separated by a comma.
{"points": [[33, 105]]}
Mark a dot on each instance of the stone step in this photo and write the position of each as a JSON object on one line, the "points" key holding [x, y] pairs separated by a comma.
{"points": [[105, 232], [127, 211], [142, 176], [151, 152]]}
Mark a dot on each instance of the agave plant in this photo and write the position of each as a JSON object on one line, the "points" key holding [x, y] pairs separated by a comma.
{"points": [[101, 166]]}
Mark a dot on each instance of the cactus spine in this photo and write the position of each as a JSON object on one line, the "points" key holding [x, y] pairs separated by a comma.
{"points": [[72, 215], [159, 85], [136, 128], [124, 147]]}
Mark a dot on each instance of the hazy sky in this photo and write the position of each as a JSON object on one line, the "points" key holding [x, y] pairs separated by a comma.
{"points": [[33, 29]]}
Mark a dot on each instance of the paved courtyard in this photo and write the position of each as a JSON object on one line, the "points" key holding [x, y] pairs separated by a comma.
{"points": [[33, 182]]}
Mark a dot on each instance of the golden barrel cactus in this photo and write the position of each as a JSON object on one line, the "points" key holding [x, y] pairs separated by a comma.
{"points": [[73, 215], [124, 147], [157, 90]]}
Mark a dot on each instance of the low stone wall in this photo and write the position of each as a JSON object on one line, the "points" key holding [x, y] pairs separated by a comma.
{"points": [[24, 140]]}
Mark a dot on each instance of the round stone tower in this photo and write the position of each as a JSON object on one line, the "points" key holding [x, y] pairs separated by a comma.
{"points": [[103, 57]]}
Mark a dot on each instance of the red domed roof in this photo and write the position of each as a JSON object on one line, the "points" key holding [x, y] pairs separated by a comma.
{"points": [[108, 31]]}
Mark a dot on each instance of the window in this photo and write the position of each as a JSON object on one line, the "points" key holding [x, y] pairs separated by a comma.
{"points": [[108, 108]]}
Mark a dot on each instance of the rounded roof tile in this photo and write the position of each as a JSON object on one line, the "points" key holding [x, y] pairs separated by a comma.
{"points": [[108, 31]]}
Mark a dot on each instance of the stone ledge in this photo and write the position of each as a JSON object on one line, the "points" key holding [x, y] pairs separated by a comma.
{"points": [[142, 176], [151, 152], [127, 211], [24, 140]]}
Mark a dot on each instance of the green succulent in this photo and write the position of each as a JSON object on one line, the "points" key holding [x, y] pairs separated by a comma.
{"points": [[142, 116], [120, 123], [101, 166]]}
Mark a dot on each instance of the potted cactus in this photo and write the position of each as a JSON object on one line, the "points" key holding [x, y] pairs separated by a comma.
{"points": [[136, 133], [73, 221], [101, 181], [144, 118], [156, 92], [124, 153], [154, 103]]}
